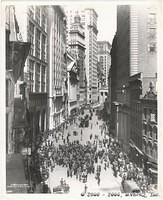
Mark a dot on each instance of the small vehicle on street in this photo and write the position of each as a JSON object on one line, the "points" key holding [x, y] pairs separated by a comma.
{"points": [[130, 186], [60, 189]]}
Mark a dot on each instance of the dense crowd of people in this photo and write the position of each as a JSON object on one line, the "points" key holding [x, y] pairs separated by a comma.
{"points": [[80, 160], [125, 169], [91, 158]]}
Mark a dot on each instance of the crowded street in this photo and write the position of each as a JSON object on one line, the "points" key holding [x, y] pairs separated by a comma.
{"points": [[81, 103], [81, 160], [108, 182]]}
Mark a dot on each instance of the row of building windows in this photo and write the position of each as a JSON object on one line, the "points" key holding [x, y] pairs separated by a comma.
{"points": [[104, 93], [38, 13], [152, 32], [38, 42], [103, 58], [103, 49], [37, 77]]}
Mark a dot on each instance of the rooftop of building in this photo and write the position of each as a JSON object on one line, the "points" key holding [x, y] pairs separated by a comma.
{"points": [[104, 42], [92, 10], [61, 10]]}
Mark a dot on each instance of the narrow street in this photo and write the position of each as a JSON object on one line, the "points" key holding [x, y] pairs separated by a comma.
{"points": [[81, 99], [108, 182]]}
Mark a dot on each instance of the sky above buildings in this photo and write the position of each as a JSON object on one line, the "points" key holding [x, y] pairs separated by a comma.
{"points": [[106, 19], [106, 22]]}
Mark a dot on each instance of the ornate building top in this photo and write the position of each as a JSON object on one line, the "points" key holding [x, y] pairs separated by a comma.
{"points": [[77, 18], [150, 95]]}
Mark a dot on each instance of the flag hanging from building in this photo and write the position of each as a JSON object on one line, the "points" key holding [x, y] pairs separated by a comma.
{"points": [[17, 30], [18, 52]]}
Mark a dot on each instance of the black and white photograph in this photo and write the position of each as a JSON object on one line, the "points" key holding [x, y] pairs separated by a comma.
{"points": [[81, 99]]}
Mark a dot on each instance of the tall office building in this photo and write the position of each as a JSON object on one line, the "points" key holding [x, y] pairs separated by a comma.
{"points": [[120, 72], [70, 14], [33, 27], [77, 50], [142, 84], [133, 51], [57, 66], [89, 21], [91, 54], [104, 61], [104, 58], [133, 69]]}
